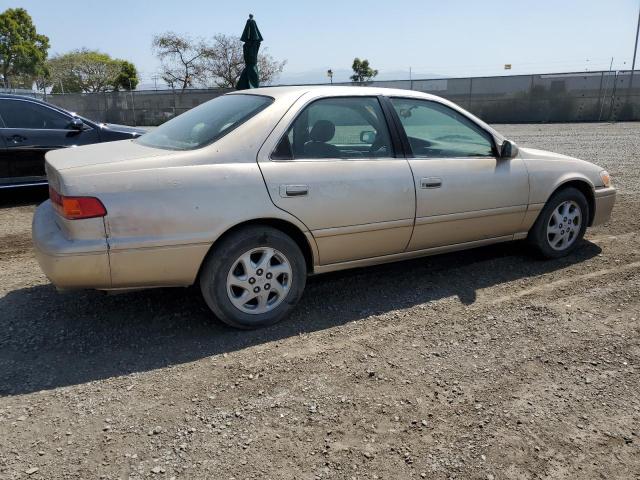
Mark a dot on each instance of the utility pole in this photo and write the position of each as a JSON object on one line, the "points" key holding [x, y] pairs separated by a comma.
{"points": [[410, 79], [635, 50]]}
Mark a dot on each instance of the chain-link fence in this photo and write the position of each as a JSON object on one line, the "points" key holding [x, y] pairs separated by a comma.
{"points": [[146, 107], [553, 97]]}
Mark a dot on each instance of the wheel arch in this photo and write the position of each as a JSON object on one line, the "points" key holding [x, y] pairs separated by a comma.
{"points": [[583, 186], [303, 241]]}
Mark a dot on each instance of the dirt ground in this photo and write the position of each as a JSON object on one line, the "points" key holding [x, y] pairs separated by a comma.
{"points": [[486, 364]]}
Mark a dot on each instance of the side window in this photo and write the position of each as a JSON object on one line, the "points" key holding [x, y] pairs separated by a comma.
{"points": [[348, 127], [437, 131], [25, 114]]}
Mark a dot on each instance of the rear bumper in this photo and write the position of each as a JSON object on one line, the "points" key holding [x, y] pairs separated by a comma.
{"points": [[68, 263], [604, 201]]}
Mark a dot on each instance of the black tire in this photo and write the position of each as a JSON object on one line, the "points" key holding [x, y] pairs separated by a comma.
{"points": [[223, 257], [538, 235]]}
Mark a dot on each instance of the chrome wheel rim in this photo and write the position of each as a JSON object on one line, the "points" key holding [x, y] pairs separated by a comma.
{"points": [[259, 280], [564, 225]]}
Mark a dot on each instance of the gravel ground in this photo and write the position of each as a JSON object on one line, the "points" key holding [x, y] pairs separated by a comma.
{"points": [[485, 364]]}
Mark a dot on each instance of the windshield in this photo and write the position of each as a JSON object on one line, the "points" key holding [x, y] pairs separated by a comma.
{"points": [[205, 123]]}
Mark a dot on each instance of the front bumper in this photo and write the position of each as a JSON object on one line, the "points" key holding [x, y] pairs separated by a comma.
{"points": [[68, 263], [604, 200]]}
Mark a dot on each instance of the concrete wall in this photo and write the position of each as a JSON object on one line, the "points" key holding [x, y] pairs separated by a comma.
{"points": [[557, 97]]}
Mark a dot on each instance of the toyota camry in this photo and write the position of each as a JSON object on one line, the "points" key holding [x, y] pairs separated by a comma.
{"points": [[248, 194]]}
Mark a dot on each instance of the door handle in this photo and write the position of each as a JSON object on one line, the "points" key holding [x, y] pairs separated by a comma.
{"points": [[430, 182], [294, 190], [16, 138]]}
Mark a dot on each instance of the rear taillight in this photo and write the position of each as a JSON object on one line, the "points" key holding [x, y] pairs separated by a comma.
{"points": [[76, 208]]}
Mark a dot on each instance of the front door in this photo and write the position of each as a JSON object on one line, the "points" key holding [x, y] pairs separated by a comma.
{"points": [[333, 166], [29, 131], [464, 192]]}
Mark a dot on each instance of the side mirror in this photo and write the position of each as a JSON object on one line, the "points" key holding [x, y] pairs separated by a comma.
{"points": [[76, 124], [508, 149], [367, 136]]}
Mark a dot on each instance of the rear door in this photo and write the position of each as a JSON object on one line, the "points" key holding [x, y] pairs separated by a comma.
{"points": [[464, 192], [30, 130], [331, 163]]}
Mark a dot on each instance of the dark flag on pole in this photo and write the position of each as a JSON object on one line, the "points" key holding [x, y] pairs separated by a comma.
{"points": [[252, 38]]}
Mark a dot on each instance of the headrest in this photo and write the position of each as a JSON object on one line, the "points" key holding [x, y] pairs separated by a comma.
{"points": [[322, 131]]}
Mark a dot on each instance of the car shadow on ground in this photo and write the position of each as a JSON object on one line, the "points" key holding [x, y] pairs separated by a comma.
{"points": [[49, 340]]}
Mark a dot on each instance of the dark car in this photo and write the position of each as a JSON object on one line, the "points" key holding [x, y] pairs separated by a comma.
{"points": [[29, 128]]}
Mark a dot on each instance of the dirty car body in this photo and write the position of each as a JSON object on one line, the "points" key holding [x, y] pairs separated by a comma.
{"points": [[340, 177]]}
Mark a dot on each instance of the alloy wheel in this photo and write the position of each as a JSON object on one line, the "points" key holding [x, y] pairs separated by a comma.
{"points": [[564, 225], [259, 280]]}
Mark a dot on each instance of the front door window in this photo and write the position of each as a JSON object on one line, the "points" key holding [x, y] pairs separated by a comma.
{"points": [[437, 131]]}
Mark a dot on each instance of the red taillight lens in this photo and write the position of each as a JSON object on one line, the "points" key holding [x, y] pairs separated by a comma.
{"points": [[75, 208]]}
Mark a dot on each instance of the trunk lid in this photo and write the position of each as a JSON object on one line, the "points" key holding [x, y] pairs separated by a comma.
{"points": [[100, 153]]}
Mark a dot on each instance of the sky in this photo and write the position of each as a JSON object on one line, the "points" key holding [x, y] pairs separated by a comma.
{"points": [[433, 38]]}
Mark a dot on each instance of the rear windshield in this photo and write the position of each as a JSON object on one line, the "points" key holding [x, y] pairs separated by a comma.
{"points": [[205, 123]]}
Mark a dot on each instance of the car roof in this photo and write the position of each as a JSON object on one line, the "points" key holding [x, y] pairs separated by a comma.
{"points": [[12, 96], [330, 90], [293, 91], [20, 97]]}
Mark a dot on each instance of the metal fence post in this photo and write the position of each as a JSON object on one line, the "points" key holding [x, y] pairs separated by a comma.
{"points": [[613, 96], [133, 103], [602, 94]]}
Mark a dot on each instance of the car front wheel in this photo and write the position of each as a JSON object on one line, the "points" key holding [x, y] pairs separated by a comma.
{"points": [[561, 224], [254, 277]]}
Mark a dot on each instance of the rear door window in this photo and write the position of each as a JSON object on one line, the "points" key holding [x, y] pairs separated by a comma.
{"points": [[338, 128], [30, 115]]}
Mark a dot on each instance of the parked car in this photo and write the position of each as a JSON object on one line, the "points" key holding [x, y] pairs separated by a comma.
{"points": [[29, 128], [249, 193]]}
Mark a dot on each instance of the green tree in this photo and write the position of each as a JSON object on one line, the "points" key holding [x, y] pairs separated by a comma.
{"points": [[127, 79], [22, 49], [362, 72], [90, 71]]}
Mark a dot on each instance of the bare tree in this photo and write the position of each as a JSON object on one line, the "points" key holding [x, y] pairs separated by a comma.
{"points": [[269, 68], [224, 61], [181, 59]]}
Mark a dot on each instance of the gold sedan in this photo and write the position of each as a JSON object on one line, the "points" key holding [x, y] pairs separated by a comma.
{"points": [[251, 192]]}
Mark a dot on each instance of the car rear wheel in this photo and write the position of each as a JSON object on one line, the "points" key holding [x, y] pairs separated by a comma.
{"points": [[254, 277], [561, 224]]}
